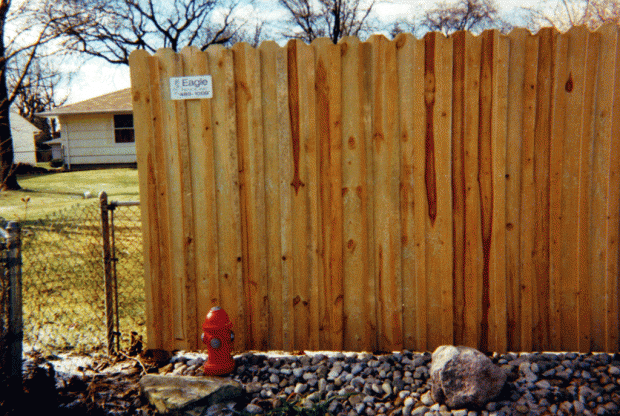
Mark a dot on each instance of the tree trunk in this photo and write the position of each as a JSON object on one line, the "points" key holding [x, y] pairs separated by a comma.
{"points": [[8, 179]]}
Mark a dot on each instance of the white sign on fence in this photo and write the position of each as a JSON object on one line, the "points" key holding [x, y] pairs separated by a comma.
{"points": [[191, 88]]}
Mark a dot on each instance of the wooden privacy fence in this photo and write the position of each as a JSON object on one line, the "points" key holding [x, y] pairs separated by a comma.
{"points": [[383, 195]]}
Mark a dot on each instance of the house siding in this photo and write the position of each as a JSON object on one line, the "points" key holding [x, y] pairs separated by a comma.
{"points": [[22, 134], [89, 139]]}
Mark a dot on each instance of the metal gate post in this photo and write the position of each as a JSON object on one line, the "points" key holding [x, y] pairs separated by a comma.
{"points": [[15, 327], [107, 267]]}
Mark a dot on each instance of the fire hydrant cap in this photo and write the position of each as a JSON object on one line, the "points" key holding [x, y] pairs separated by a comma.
{"points": [[217, 318]]}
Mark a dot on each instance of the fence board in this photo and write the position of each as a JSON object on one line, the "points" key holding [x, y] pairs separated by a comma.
{"points": [[494, 223], [599, 182], [359, 309], [200, 133], [410, 57], [230, 273], [515, 110], [383, 195], [574, 88], [437, 172], [141, 70], [252, 192], [588, 282], [530, 86], [329, 125], [612, 118], [270, 55], [386, 177]]}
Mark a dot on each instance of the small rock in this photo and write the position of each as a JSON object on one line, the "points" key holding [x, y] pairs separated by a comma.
{"points": [[166, 369], [419, 411], [254, 409], [314, 397], [301, 388], [253, 387], [427, 399], [387, 389]]}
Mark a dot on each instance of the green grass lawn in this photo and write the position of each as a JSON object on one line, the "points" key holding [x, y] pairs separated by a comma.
{"points": [[51, 192]]}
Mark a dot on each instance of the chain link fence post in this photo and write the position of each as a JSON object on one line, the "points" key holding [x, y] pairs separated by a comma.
{"points": [[107, 267], [15, 327]]}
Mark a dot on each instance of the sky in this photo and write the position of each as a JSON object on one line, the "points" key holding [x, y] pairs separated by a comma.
{"points": [[96, 77]]}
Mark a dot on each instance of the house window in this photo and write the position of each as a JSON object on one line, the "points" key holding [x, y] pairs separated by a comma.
{"points": [[123, 128]]}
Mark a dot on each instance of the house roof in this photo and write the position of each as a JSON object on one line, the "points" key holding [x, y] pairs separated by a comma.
{"points": [[114, 102]]}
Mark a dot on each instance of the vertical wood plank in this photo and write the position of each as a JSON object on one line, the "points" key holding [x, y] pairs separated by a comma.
{"points": [[588, 317], [286, 172], [359, 310], [528, 192], [310, 158], [541, 185], [555, 194], [600, 179], [200, 134], [458, 185], [180, 207], [386, 174], [516, 90], [329, 136], [611, 72], [303, 183], [485, 181], [142, 67], [230, 273], [472, 244], [437, 175], [270, 52], [497, 337], [252, 193], [574, 89], [410, 61]]}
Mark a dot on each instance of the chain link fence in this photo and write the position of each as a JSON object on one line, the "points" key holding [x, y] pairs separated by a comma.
{"points": [[64, 279]]}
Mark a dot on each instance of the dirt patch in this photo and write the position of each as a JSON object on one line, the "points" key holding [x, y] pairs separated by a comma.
{"points": [[101, 387], [26, 169]]}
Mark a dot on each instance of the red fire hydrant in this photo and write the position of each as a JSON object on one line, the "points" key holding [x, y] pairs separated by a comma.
{"points": [[218, 336]]}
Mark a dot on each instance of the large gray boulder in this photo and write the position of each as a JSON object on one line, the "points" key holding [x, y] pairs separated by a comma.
{"points": [[463, 377], [171, 394]]}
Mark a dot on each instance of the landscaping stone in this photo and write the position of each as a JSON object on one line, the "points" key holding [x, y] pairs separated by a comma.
{"points": [[463, 377], [171, 394]]}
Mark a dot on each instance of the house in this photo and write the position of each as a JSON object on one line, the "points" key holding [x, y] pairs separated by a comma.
{"points": [[23, 135], [98, 131]]}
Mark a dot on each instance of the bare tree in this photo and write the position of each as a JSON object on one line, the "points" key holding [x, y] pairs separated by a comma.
{"points": [[25, 34], [564, 14], [39, 93], [472, 15], [112, 29], [38, 90], [402, 26], [327, 18]]}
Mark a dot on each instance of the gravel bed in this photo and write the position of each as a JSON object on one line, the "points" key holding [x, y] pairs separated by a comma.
{"points": [[340, 383], [398, 384]]}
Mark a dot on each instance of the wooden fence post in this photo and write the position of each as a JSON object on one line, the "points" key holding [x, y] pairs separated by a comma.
{"points": [[107, 267], [15, 333]]}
